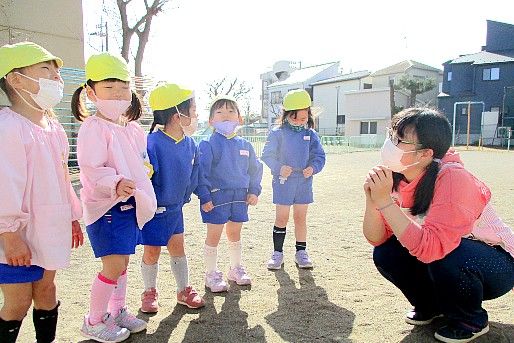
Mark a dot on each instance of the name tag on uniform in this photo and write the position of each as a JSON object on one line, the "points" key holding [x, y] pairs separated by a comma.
{"points": [[244, 152], [306, 138], [160, 210], [126, 207]]}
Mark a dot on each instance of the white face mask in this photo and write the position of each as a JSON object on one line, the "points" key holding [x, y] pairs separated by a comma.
{"points": [[50, 92], [112, 109], [392, 155]]}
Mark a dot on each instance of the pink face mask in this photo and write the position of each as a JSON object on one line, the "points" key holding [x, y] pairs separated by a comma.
{"points": [[112, 109]]}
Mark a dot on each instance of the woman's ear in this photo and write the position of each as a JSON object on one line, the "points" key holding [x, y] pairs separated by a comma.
{"points": [[241, 121], [428, 153]]}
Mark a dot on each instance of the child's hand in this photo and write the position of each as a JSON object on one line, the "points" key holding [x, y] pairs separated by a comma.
{"points": [[125, 188], [207, 207], [251, 199], [17, 252], [307, 172], [77, 237], [285, 171]]}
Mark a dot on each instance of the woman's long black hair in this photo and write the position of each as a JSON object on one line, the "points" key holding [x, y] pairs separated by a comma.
{"points": [[433, 131]]}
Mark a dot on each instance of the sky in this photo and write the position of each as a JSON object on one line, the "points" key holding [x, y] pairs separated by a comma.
{"points": [[194, 42]]}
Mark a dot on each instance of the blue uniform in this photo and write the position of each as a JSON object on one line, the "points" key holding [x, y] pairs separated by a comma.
{"points": [[20, 274], [229, 171], [116, 232], [299, 150], [175, 177]]}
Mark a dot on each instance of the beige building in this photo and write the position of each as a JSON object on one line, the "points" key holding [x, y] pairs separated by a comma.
{"points": [[368, 112], [328, 95], [56, 25], [413, 69]]}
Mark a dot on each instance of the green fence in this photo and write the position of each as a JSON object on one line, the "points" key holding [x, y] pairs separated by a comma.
{"points": [[331, 144]]}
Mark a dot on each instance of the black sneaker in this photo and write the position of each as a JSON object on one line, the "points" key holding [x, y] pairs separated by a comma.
{"points": [[459, 333], [414, 317]]}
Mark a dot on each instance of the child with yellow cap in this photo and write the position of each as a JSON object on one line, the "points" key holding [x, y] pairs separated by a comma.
{"points": [[174, 157], [294, 154], [117, 195], [229, 180], [39, 210]]}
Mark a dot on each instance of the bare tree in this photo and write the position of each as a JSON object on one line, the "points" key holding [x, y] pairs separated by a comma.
{"points": [[235, 88], [141, 28]]}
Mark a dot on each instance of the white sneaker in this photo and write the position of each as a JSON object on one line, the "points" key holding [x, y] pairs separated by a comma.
{"points": [[125, 319], [276, 261], [302, 259], [214, 281], [106, 331], [238, 275]]}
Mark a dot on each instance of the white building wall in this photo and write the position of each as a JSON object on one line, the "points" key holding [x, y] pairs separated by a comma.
{"points": [[54, 24], [428, 98], [274, 110], [369, 105], [325, 97]]}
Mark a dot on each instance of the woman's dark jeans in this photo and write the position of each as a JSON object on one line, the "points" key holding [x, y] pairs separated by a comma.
{"points": [[455, 285]]}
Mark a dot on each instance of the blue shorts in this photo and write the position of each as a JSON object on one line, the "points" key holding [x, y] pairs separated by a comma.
{"points": [[226, 210], [116, 232], [168, 221], [295, 190], [11, 274]]}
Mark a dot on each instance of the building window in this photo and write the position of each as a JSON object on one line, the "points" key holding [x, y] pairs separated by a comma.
{"points": [[341, 119], [491, 74], [368, 127], [276, 97], [449, 76], [367, 86]]}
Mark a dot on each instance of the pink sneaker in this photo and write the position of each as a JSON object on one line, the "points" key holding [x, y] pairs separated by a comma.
{"points": [[190, 298], [149, 301], [239, 276], [214, 281]]}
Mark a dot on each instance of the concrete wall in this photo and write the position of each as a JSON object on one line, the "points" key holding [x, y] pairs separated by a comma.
{"points": [[56, 25]]}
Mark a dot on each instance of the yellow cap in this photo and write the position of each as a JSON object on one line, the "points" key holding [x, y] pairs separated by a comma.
{"points": [[24, 54], [107, 66], [297, 99], [168, 95]]}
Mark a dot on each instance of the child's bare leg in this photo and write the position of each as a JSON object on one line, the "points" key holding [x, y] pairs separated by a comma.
{"points": [[17, 301], [300, 222]]}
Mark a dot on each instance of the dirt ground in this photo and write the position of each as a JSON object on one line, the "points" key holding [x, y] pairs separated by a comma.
{"points": [[343, 299]]}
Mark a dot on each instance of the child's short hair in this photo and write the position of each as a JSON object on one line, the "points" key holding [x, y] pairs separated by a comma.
{"points": [[80, 112], [293, 113], [222, 103]]}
